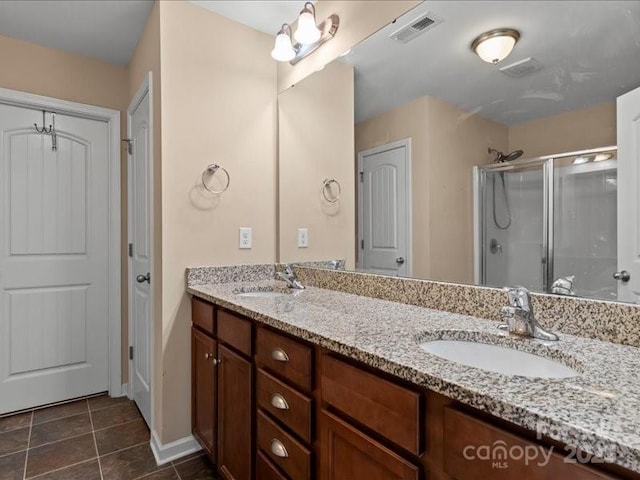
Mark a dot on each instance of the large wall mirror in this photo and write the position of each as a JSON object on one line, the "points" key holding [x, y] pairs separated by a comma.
{"points": [[411, 155]]}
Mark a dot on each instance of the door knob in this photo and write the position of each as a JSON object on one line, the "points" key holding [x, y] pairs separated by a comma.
{"points": [[400, 261], [623, 276], [144, 278]]}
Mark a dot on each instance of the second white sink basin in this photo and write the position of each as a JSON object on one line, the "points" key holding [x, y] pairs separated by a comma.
{"points": [[498, 359]]}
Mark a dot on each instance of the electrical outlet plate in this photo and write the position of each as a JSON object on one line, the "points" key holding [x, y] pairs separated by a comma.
{"points": [[303, 237], [245, 237]]}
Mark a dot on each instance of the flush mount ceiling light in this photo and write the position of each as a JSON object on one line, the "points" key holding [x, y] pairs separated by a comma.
{"points": [[495, 45], [308, 36]]}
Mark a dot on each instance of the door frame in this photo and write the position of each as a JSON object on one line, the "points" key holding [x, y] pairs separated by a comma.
{"points": [[112, 119], [145, 88], [406, 143]]}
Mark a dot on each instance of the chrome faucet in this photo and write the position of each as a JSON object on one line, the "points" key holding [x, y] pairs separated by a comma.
{"points": [[519, 315], [290, 277]]}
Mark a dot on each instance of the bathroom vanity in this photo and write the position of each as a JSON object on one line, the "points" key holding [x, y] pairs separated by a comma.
{"points": [[320, 384]]}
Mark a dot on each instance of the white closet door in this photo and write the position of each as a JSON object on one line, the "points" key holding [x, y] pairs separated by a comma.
{"points": [[628, 197], [53, 259], [384, 236], [140, 237]]}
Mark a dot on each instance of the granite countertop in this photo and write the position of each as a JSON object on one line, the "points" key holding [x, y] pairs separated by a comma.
{"points": [[597, 412]]}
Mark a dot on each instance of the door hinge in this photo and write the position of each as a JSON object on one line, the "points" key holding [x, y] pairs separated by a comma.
{"points": [[362, 244], [131, 352], [362, 176], [129, 145], [131, 250]]}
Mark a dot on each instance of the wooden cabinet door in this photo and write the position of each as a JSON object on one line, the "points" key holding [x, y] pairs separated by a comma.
{"points": [[235, 415], [203, 390], [348, 454]]}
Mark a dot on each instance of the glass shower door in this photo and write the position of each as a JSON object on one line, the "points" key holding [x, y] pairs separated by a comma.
{"points": [[585, 224], [514, 244]]}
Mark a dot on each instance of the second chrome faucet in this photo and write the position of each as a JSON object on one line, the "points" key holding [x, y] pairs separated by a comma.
{"points": [[519, 317]]}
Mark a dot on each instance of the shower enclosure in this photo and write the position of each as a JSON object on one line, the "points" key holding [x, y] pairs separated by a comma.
{"points": [[549, 223]]}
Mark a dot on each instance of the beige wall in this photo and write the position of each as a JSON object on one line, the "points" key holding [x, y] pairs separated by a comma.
{"points": [[316, 141], [32, 68], [581, 129], [358, 20], [146, 58], [218, 105], [441, 169]]}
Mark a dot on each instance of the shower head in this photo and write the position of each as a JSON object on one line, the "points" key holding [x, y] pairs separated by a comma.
{"points": [[506, 157]]}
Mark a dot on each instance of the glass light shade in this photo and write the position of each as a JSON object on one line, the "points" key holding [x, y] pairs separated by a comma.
{"points": [[283, 50], [307, 31], [496, 49]]}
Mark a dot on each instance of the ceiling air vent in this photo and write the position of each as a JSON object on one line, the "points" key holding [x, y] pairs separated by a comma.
{"points": [[522, 68], [417, 27]]}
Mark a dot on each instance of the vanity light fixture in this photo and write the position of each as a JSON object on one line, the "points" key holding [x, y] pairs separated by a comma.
{"points": [[308, 36], [495, 45], [283, 50], [307, 31]]}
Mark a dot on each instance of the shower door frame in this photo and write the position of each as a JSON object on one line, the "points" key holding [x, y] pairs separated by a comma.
{"points": [[548, 173]]}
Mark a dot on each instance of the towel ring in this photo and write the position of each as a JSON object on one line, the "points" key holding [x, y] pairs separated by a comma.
{"points": [[210, 172], [326, 185]]}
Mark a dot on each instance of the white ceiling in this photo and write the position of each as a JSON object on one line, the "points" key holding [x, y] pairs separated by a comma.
{"points": [[264, 16], [590, 52], [107, 30]]}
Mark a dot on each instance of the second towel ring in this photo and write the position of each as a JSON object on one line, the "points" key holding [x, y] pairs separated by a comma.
{"points": [[210, 172], [326, 185]]}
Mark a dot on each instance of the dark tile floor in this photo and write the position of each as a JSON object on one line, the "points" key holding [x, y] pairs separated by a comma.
{"points": [[99, 438]]}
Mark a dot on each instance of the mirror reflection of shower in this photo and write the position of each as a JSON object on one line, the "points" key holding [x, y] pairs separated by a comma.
{"points": [[548, 223], [501, 158]]}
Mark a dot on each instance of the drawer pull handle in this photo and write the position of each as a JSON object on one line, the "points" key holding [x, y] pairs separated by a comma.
{"points": [[277, 448], [279, 355], [279, 402]]}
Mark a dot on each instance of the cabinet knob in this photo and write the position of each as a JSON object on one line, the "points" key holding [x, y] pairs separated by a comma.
{"points": [[279, 402], [207, 356], [278, 449], [279, 355], [622, 276]]}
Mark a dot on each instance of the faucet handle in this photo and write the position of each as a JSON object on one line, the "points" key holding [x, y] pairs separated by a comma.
{"points": [[287, 269], [519, 297]]}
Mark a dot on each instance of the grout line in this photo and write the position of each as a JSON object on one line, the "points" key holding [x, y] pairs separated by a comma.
{"points": [[95, 442], [184, 459], [147, 475], [176, 470], [34, 447], [62, 468], [117, 425], [59, 418], [26, 455], [125, 448], [110, 406]]}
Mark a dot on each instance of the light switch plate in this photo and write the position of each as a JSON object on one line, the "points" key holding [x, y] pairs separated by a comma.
{"points": [[245, 237], [303, 237]]}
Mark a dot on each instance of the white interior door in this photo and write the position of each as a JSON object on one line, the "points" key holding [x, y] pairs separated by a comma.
{"points": [[54, 213], [384, 218], [140, 254], [628, 113]]}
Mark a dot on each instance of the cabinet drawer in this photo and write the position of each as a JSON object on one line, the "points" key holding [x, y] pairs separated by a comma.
{"points": [[463, 435], [202, 315], [285, 357], [285, 404], [282, 449], [386, 408], [347, 453], [235, 331], [265, 469]]}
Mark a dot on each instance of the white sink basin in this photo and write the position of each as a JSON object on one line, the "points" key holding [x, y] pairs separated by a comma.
{"points": [[498, 359], [262, 294]]}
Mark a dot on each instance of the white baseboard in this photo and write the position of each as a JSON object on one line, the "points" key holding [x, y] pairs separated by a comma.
{"points": [[173, 450], [125, 390]]}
